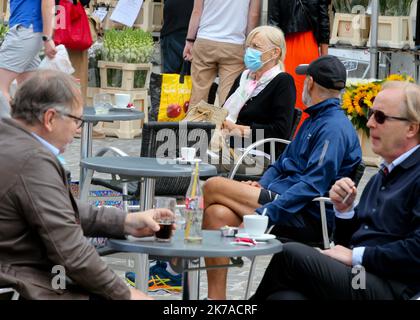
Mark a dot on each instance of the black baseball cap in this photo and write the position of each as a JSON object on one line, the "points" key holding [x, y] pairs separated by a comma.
{"points": [[328, 71]]}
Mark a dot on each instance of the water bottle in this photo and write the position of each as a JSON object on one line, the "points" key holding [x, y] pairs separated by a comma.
{"points": [[194, 206]]}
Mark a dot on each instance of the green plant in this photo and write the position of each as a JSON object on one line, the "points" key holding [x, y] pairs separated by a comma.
{"points": [[3, 31], [395, 7], [346, 6], [129, 46]]}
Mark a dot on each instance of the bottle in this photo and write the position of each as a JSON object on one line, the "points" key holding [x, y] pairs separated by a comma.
{"points": [[194, 206]]}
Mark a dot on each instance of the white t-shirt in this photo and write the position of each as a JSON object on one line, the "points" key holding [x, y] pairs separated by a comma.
{"points": [[224, 20]]}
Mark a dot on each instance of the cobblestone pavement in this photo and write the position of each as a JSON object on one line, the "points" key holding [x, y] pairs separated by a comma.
{"points": [[237, 277]]}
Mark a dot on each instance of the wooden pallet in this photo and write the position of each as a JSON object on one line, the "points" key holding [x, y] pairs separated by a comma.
{"points": [[395, 32], [350, 29], [150, 17], [128, 73]]}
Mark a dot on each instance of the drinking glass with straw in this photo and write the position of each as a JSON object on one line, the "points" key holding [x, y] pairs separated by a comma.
{"points": [[192, 194]]}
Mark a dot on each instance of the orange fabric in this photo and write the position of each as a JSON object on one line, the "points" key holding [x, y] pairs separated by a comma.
{"points": [[301, 48]]}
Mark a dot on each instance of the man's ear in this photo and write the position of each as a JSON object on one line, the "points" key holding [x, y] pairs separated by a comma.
{"points": [[310, 83], [49, 119], [413, 129]]}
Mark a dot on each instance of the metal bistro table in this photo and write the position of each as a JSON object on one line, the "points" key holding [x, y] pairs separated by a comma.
{"points": [[213, 245], [90, 118], [137, 168]]}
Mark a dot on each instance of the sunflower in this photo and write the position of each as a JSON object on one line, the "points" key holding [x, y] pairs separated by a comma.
{"points": [[358, 98], [399, 77]]}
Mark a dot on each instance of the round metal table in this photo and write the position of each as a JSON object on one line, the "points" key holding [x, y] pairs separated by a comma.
{"points": [[137, 168], [90, 118], [213, 245]]}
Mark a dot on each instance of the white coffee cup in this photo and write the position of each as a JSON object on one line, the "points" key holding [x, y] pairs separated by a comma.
{"points": [[187, 154], [122, 99], [255, 224]]}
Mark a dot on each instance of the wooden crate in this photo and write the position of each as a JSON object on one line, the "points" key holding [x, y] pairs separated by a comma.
{"points": [[150, 17], [128, 72], [127, 129], [350, 29], [395, 32]]}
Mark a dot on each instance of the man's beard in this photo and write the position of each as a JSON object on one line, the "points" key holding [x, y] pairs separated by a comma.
{"points": [[306, 98]]}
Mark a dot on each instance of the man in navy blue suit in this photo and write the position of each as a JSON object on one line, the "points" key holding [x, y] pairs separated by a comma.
{"points": [[377, 255]]}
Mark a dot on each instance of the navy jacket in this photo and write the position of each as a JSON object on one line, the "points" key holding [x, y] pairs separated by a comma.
{"points": [[387, 223], [325, 149]]}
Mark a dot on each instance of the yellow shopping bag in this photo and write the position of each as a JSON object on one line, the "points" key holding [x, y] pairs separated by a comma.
{"points": [[175, 96]]}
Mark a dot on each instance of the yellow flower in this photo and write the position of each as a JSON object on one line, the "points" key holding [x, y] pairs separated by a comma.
{"points": [[399, 77], [358, 98]]}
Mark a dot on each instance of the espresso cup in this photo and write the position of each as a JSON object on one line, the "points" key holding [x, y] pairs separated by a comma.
{"points": [[255, 224], [122, 99], [187, 154]]}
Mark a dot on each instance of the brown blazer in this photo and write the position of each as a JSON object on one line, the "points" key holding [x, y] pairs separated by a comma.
{"points": [[41, 225]]}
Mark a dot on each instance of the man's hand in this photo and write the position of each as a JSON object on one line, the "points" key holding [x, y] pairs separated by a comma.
{"points": [[49, 48], [342, 194], [187, 54], [143, 224], [340, 253], [138, 295], [252, 183]]}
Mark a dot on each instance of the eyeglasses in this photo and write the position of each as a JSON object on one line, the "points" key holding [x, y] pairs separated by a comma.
{"points": [[380, 117], [77, 120]]}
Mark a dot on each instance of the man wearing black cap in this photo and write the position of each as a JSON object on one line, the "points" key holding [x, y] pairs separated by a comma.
{"points": [[325, 149]]}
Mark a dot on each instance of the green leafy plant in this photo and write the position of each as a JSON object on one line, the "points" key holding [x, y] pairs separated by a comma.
{"points": [[3, 31], [346, 6], [395, 7], [129, 46]]}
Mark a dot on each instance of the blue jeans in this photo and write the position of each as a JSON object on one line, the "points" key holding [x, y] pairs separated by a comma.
{"points": [[172, 46]]}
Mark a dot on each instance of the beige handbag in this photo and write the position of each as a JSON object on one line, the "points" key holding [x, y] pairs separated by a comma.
{"points": [[205, 112]]}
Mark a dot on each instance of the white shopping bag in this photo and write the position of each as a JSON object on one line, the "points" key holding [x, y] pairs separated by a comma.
{"points": [[60, 62]]}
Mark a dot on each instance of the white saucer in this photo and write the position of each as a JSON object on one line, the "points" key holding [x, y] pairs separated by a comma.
{"points": [[182, 161], [263, 237], [115, 108]]}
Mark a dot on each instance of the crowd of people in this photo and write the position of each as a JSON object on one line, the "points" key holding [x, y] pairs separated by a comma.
{"points": [[264, 73]]}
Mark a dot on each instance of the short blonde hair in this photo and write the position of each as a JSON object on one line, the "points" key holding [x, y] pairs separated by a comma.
{"points": [[411, 103], [274, 35]]}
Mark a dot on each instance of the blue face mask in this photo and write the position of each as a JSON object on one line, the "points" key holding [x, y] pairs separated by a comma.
{"points": [[252, 59]]}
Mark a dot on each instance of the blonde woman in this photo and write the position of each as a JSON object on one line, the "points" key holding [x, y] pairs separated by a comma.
{"points": [[262, 98]]}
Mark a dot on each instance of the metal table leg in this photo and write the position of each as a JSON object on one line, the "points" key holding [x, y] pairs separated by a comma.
{"points": [[85, 148]]}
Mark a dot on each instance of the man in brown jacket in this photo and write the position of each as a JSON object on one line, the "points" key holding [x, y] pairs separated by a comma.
{"points": [[41, 225]]}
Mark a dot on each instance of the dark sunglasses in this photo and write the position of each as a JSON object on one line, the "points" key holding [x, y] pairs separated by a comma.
{"points": [[380, 117]]}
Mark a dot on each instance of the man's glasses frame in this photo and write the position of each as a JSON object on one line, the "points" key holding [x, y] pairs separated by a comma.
{"points": [[79, 121], [380, 117]]}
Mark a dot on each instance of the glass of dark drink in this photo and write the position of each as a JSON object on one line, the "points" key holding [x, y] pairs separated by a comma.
{"points": [[166, 230], [166, 224]]}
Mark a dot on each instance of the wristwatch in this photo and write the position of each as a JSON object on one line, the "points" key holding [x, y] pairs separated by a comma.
{"points": [[46, 38]]}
